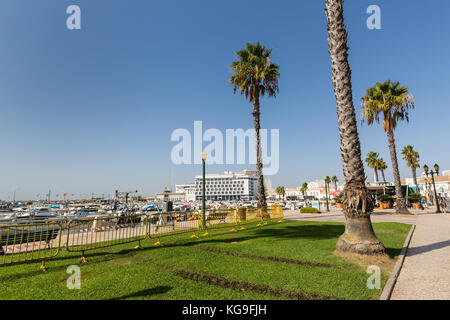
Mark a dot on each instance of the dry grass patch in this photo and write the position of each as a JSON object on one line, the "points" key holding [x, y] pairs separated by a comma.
{"points": [[385, 263]]}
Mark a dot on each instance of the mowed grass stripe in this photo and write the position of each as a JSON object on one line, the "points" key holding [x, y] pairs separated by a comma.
{"points": [[226, 283], [266, 258]]}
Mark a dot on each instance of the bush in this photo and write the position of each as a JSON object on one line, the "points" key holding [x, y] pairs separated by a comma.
{"points": [[384, 198], [338, 199], [309, 210], [415, 197]]}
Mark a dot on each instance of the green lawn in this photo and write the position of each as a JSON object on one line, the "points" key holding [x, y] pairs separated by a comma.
{"points": [[290, 260]]}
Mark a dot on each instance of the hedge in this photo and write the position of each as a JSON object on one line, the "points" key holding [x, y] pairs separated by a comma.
{"points": [[309, 210]]}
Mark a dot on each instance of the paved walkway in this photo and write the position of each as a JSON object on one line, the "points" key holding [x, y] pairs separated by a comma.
{"points": [[336, 215], [425, 274]]}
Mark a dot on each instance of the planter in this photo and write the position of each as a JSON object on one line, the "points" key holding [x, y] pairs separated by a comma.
{"points": [[385, 205], [339, 205], [416, 206]]}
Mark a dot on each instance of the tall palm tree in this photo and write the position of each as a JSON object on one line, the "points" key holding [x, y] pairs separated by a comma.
{"points": [[303, 189], [335, 180], [357, 204], [280, 191], [327, 180], [412, 157], [381, 165], [371, 161], [393, 102], [254, 75]]}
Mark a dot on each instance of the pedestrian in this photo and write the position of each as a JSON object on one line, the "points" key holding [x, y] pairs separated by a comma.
{"points": [[443, 204]]}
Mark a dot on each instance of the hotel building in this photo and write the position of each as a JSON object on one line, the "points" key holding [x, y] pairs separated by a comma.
{"points": [[227, 186]]}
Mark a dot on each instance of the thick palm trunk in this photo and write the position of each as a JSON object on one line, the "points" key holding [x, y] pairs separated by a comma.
{"points": [[401, 201], [359, 236], [413, 168], [259, 166]]}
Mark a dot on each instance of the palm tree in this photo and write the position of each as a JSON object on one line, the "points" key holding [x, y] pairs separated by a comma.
{"points": [[393, 102], [412, 160], [254, 75], [371, 161], [357, 204], [381, 165], [335, 180], [327, 180], [280, 191], [303, 189]]}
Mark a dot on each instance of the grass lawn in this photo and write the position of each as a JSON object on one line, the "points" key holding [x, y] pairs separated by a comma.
{"points": [[290, 260]]}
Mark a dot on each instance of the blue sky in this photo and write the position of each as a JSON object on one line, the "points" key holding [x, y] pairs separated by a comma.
{"points": [[92, 110]]}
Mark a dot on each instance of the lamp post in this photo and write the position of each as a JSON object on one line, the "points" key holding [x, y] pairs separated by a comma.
{"points": [[327, 181], [436, 168], [203, 192]]}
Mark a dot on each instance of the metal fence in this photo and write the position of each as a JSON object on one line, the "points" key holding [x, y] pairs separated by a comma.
{"points": [[101, 232], [170, 223], [29, 242], [42, 241]]}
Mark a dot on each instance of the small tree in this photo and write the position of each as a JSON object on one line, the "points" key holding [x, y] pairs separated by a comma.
{"points": [[371, 160], [335, 180], [303, 189], [411, 157], [280, 191]]}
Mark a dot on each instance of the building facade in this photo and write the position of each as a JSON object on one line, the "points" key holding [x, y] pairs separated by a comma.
{"points": [[228, 186], [425, 185]]}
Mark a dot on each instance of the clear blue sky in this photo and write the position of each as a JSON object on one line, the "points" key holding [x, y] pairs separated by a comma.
{"points": [[92, 110]]}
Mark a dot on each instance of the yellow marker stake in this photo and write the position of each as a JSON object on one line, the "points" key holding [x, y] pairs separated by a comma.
{"points": [[206, 233], [139, 246]]}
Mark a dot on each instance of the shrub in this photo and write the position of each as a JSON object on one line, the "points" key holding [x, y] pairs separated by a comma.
{"points": [[384, 198], [338, 199], [309, 210], [415, 197]]}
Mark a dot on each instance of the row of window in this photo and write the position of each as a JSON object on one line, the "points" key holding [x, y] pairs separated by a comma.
{"points": [[221, 193]]}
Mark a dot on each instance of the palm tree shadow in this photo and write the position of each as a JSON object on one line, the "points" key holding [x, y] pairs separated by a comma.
{"points": [[427, 248], [145, 293]]}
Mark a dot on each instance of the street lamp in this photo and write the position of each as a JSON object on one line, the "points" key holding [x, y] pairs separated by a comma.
{"points": [[327, 181], [204, 155], [436, 168]]}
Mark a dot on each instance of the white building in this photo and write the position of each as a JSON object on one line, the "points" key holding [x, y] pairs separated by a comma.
{"points": [[293, 192], [187, 189], [228, 186], [268, 185], [442, 183]]}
